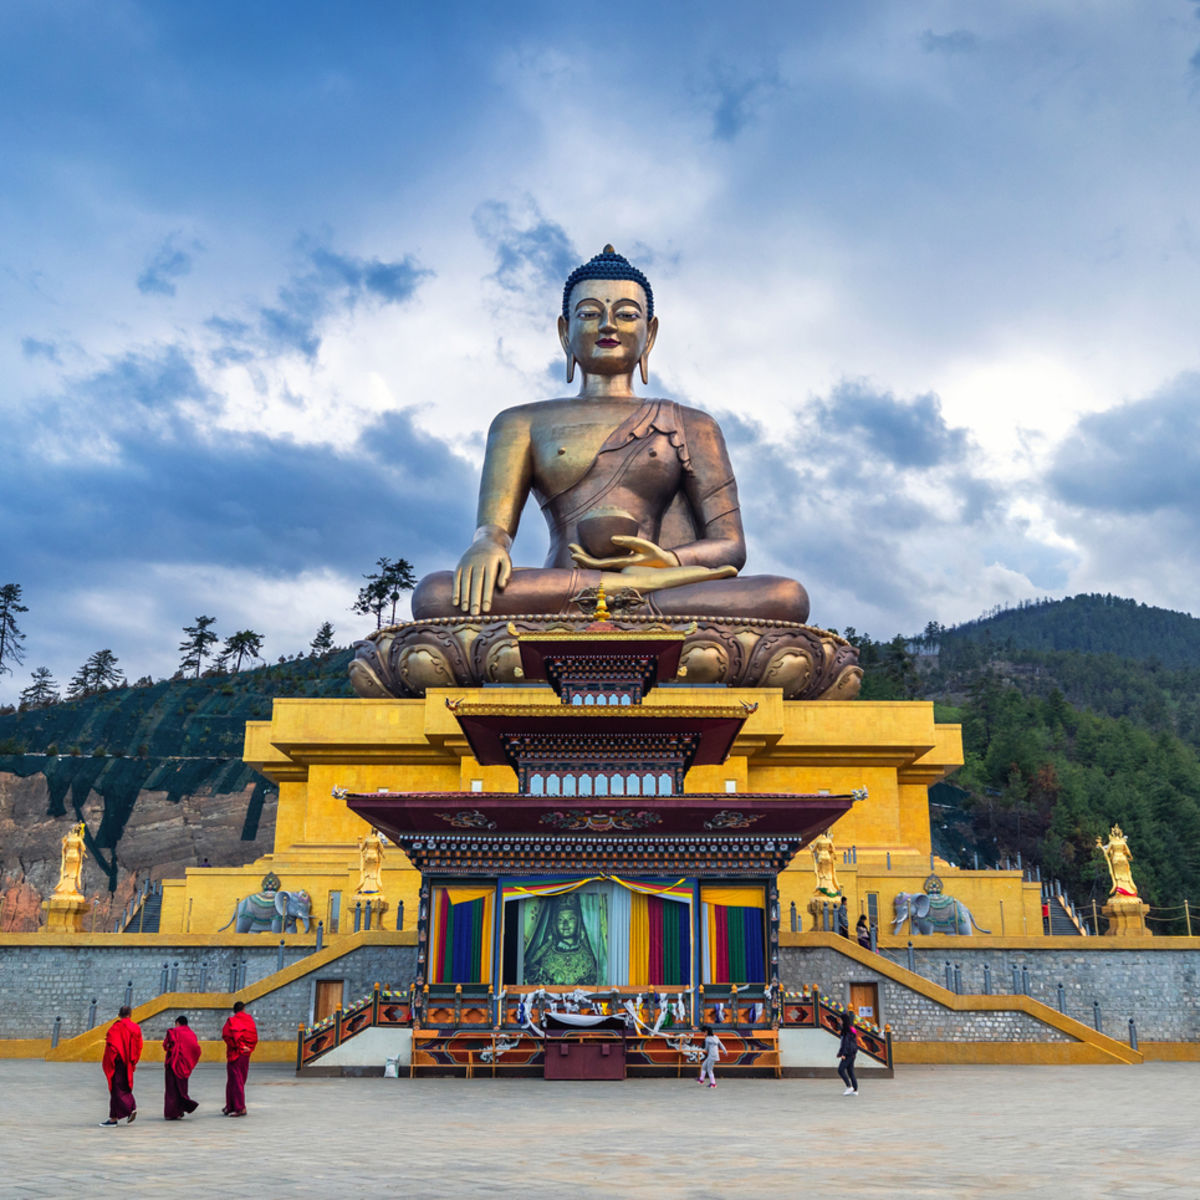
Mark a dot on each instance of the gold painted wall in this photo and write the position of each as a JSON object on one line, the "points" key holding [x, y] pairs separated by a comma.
{"points": [[894, 749]]}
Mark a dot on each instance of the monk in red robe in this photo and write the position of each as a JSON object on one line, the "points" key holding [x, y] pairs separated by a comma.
{"points": [[181, 1053], [122, 1049], [241, 1036]]}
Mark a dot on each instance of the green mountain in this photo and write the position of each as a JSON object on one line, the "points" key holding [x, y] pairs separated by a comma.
{"points": [[1092, 624]]}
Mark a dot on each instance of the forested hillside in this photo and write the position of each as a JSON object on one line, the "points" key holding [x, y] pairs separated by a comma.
{"points": [[1060, 743], [1094, 623]]}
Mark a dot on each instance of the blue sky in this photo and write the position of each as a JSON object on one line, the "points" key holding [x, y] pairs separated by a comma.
{"points": [[267, 271]]}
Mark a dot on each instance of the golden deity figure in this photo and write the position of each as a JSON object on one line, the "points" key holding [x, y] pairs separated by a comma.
{"points": [[64, 910], [370, 860], [1125, 911], [823, 852], [1118, 857], [639, 499], [636, 493], [827, 889], [70, 871]]}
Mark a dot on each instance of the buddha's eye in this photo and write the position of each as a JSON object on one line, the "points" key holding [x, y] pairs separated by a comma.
{"points": [[588, 314], [628, 314]]}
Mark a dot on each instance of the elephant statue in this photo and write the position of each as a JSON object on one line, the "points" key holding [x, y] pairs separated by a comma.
{"points": [[274, 912], [931, 912]]}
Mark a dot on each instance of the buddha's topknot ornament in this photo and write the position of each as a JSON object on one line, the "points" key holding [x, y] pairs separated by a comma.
{"points": [[608, 264]]}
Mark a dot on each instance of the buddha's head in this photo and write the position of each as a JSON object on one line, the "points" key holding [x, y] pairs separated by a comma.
{"points": [[608, 324]]}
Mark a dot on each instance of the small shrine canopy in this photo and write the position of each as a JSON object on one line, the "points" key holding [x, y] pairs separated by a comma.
{"points": [[589, 667]]}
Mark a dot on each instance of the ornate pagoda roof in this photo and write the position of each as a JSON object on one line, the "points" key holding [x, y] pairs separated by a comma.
{"points": [[487, 725], [696, 814], [567, 655], [696, 833]]}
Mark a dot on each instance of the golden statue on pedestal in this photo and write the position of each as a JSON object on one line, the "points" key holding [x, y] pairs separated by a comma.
{"points": [[1125, 912], [66, 907], [70, 871], [370, 865], [827, 889], [639, 497]]}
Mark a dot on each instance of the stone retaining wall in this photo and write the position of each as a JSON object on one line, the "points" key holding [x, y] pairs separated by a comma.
{"points": [[41, 982], [912, 1016], [1157, 987]]}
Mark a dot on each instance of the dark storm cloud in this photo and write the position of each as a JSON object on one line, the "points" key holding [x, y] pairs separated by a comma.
{"points": [[167, 264], [530, 249], [35, 348], [1140, 457], [170, 493], [326, 282], [957, 41]]}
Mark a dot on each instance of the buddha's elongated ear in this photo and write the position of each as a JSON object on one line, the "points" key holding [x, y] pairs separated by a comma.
{"points": [[644, 361], [565, 341]]}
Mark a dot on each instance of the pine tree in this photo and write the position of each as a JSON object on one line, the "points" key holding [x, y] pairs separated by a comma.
{"points": [[323, 642], [383, 588], [10, 636], [42, 691], [197, 644], [244, 644], [98, 674]]}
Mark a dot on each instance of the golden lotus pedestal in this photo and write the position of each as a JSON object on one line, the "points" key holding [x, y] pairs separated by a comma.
{"points": [[64, 914], [1126, 916]]}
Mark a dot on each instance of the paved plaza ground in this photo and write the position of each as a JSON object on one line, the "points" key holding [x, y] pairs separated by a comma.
{"points": [[948, 1131]]}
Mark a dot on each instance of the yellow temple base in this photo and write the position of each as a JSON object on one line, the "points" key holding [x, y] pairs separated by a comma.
{"points": [[894, 749], [64, 914]]}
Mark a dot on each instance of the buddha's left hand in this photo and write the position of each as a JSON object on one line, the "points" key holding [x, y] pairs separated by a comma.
{"points": [[642, 553]]}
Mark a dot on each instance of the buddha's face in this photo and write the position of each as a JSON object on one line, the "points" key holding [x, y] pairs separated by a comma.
{"points": [[607, 330], [567, 925]]}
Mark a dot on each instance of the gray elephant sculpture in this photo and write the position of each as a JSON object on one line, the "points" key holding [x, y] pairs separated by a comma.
{"points": [[933, 913], [274, 912]]}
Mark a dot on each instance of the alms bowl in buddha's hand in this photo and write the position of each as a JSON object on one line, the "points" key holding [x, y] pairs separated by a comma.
{"points": [[599, 527]]}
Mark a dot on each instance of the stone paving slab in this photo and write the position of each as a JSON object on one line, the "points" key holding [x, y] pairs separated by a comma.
{"points": [[1061, 1132]]}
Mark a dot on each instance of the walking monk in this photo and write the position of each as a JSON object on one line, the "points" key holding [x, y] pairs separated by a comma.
{"points": [[241, 1036], [122, 1049], [181, 1053]]}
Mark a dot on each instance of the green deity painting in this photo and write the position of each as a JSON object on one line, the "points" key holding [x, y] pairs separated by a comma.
{"points": [[566, 940]]}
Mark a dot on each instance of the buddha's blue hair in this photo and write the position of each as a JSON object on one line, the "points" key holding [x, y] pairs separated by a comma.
{"points": [[608, 264]]}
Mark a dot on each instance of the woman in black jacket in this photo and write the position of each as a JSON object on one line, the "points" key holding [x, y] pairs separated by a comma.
{"points": [[847, 1050]]}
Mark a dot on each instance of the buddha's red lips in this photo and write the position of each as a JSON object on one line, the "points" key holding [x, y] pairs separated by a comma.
{"points": [[608, 342]]}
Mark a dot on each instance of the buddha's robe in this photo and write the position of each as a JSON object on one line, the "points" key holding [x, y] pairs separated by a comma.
{"points": [[667, 466]]}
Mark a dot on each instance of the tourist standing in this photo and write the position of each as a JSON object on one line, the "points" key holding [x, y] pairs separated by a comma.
{"points": [[241, 1036], [712, 1051], [843, 918], [181, 1053], [863, 932], [847, 1052], [122, 1049]]}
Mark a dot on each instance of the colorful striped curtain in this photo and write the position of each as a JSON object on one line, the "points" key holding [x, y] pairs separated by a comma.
{"points": [[660, 942], [735, 927], [462, 935]]}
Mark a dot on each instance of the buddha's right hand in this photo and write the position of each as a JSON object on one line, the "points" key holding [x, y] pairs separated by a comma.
{"points": [[485, 567]]}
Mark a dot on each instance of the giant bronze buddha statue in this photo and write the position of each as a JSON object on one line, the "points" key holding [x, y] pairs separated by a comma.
{"points": [[640, 500]]}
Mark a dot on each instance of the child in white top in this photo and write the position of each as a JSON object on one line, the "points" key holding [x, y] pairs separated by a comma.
{"points": [[712, 1051]]}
